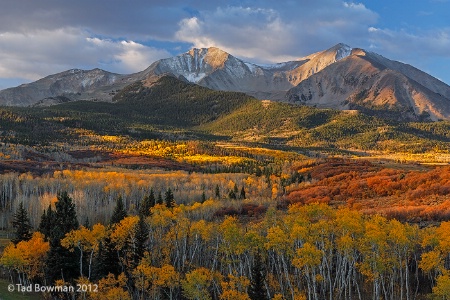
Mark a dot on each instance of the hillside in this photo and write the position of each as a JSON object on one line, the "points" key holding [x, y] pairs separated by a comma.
{"points": [[371, 83], [340, 78], [304, 126], [71, 85], [170, 101], [202, 179], [171, 107]]}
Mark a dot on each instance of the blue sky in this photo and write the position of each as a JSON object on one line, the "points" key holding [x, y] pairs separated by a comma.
{"points": [[39, 38]]}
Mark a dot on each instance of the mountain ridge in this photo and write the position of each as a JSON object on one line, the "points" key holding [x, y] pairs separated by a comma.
{"points": [[340, 77], [369, 81]]}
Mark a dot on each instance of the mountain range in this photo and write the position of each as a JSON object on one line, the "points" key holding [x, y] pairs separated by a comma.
{"points": [[340, 77]]}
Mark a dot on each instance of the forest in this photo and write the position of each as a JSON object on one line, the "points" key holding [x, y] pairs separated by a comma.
{"points": [[300, 229], [171, 251], [179, 192]]}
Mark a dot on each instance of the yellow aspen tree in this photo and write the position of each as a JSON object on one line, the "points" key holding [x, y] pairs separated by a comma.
{"points": [[87, 241], [152, 281], [112, 288], [124, 237], [307, 259], [197, 283], [234, 288], [442, 288], [27, 258]]}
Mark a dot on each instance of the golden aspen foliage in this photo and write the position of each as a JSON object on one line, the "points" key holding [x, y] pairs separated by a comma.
{"points": [[443, 236], [204, 230], [278, 297], [442, 288], [277, 240], [431, 260], [234, 288], [27, 257], [153, 279], [196, 284], [299, 296], [254, 240], [13, 258], [112, 288], [84, 238], [232, 236], [308, 256], [124, 231]]}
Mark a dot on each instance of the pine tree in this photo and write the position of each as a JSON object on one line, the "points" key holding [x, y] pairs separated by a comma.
{"points": [[65, 214], [22, 225], [242, 195], [169, 199], [141, 234], [160, 199], [61, 263], [119, 212], [232, 195], [86, 222], [235, 189], [203, 197], [147, 203], [217, 193], [257, 289], [47, 222], [107, 260]]}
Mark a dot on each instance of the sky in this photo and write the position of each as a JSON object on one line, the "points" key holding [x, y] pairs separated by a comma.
{"points": [[39, 38]]}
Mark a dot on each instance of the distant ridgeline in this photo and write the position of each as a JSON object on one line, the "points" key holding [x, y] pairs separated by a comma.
{"points": [[341, 78]]}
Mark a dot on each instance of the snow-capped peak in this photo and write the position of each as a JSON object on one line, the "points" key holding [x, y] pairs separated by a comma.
{"points": [[342, 51]]}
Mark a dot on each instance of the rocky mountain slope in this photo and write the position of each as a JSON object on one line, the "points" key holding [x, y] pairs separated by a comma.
{"points": [[216, 69], [369, 82], [71, 85], [340, 77]]}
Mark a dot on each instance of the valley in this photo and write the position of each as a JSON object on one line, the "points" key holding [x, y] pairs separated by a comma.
{"points": [[172, 190]]}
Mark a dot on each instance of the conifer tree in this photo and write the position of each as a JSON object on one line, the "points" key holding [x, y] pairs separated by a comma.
{"points": [[141, 234], [65, 214], [242, 195], [47, 222], [61, 263], [119, 212], [235, 189], [21, 223], [107, 260], [147, 203], [160, 199], [169, 199], [217, 192], [86, 222], [203, 197], [257, 289]]}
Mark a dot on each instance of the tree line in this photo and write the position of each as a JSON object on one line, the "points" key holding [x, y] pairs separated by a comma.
{"points": [[168, 251]]}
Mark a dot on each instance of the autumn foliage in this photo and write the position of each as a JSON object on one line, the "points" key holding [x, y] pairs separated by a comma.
{"points": [[417, 195]]}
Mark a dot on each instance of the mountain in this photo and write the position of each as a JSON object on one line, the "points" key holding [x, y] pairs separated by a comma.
{"points": [[371, 83], [71, 85], [216, 69], [340, 77]]}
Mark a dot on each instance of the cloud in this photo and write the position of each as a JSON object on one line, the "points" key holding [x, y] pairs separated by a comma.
{"points": [[43, 52], [39, 38], [402, 43], [287, 32], [136, 20]]}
